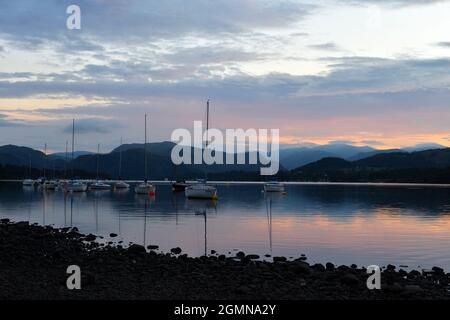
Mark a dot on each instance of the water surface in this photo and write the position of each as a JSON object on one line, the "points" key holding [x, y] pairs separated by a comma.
{"points": [[344, 224]]}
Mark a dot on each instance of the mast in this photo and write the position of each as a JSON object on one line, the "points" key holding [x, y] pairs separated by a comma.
{"points": [[207, 137], [145, 150], [98, 158], [67, 159], [45, 159], [73, 144], [120, 160]]}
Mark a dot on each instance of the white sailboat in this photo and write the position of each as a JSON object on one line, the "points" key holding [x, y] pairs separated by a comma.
{"points": [[47, 184], [145, 187], [73, 185], [28, 182], [121, 184], [274, 187], [99, 185], [202, 190]]}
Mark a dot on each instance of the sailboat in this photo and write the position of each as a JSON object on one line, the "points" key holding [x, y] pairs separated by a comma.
{"points": [[202, 190], [73, 185], [121, 184], [47, 184], [145, 187], [28, 182], [98, 185]]}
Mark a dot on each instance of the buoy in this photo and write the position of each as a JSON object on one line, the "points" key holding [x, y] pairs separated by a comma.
{"points": [[152, 193]]}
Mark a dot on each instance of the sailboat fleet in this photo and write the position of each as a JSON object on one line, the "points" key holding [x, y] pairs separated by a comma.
{"points": [[198, 190]]}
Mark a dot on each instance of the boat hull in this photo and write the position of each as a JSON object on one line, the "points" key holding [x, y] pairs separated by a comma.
{"points": [[77, 187], [201, 192], [145, 188]]}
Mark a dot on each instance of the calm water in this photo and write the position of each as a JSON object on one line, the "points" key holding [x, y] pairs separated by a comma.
{"points": [[365, 225]]}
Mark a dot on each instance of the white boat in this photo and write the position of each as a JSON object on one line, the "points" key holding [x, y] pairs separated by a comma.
{"points": [[145, 187], [63, 183], [274, 187], [100, 186], [28, 183], [49, 185], [201, 191], [121, 185], [76, 186]]}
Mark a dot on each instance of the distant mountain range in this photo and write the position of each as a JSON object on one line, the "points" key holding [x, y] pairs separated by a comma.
{"points": [[429, 166], [336, 161], [292, 157]]}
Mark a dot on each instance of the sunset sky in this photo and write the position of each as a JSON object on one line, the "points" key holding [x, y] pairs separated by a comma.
{"points": [[366, 72]]}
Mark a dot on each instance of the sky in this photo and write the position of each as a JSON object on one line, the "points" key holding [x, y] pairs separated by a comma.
{"points": [[365, 72]]}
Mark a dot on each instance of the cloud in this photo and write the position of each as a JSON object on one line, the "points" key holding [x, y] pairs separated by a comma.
{"points": [[373, 142], [394, 2], [136, 21], [5, 122], [443, 44], [328, 46], [85, 126]]}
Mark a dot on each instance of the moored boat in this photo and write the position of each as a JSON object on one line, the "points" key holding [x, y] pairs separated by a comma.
{"points": [[274, 187]]}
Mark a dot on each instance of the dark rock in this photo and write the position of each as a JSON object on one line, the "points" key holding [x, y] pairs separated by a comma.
{"points": [[412, 289], [350, 279], [438, 270], [176, 250], [329, 266], [113, 235], [136, 248], [240, 255], [354, 266], [152, 247], [301, 268], [90, 237], [390, 267], [213, 251], [318, 267], [222, 257], [279, 259], [252, 257]]}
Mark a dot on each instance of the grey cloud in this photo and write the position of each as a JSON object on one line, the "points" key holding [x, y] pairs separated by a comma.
{"points": [[329, 46], [444, 44], [93, 125], [394, 2], [136, 21], [4, 122]]}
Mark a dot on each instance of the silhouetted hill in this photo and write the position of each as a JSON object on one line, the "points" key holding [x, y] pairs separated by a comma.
{"points": [[21, 156], [431, 166]]}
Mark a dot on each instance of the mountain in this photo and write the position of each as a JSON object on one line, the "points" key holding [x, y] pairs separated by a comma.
{"points": [[363, 155], [423, 147], [430, 166], [22, 156], [76, 154], [295, 157], [159, 148]]}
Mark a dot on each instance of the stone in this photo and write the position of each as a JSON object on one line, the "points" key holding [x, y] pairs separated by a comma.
{"points": [[176, 250]]}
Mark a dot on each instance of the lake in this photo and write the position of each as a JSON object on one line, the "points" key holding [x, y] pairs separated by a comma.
{"points": [[344, 224]]}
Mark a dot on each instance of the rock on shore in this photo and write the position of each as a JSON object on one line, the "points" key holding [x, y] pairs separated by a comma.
{"points": [[34, 259]]}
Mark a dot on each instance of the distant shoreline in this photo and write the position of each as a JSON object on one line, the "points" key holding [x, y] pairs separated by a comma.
{"points": [[289, 183]]}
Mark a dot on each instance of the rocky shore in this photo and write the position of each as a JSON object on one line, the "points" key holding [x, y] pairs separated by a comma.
{"points": [[34, 260]]}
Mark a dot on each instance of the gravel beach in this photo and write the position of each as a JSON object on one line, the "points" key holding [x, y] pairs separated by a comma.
{"points": [[34, 261]]}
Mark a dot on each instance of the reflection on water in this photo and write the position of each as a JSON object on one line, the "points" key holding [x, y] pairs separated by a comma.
{"points": [[343, 224]]}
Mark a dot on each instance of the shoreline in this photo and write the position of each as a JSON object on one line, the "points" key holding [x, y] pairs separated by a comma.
{"points": [[288, 183], [34, 261]]}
